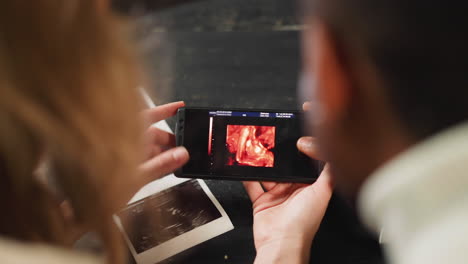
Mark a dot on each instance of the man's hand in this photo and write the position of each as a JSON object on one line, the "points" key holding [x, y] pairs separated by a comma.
{"points": [[162, 157], [287, 216]]}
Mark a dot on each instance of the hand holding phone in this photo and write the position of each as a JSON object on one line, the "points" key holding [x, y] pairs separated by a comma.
{"points": [[287, 216], [161, 155]]}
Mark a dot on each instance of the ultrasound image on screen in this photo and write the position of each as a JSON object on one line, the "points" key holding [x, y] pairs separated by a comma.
{"points": [[250, 145], [167, 214]]}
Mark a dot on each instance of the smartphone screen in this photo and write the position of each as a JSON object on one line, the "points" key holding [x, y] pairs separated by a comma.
{"points": [[244, 145]]}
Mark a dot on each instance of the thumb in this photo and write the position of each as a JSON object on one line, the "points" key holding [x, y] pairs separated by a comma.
{"points": [[308, 146], [324, 183]]}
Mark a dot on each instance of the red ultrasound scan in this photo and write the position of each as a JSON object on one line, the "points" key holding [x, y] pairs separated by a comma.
{"points": [[251, 145]]}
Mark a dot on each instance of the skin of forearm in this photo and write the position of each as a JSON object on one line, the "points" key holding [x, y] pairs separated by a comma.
{"points": [[291, 252]]}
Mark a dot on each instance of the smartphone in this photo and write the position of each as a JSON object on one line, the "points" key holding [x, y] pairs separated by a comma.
{"points": [[245, 145]]}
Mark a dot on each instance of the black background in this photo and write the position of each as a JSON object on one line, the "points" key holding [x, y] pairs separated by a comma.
{"points": [[238, 54]]}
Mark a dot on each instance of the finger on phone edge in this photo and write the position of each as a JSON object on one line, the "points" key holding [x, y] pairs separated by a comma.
{"points": [[307, 146], [307, 106], [162, 112], [165, 163]]}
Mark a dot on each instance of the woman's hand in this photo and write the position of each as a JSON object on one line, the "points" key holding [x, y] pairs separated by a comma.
{"points": [[161, 157], [287, 216]]}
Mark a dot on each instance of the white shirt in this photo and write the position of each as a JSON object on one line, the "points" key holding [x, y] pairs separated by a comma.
{"points": [[419, 201]]}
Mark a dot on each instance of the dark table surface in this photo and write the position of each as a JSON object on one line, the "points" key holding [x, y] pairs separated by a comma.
{"points": [[243, 54]]}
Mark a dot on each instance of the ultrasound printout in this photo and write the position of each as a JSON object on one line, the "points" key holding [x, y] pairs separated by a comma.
{"points": [[167, 214]]}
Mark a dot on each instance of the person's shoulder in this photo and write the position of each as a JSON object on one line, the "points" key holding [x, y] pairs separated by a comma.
{"points": [[12, 252]]}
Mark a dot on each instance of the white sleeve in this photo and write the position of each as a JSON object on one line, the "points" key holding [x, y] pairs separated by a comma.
{"points": [[441, 241]]}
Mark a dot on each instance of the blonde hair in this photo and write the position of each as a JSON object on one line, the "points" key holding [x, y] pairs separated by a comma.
{"points": [[67, 94]]}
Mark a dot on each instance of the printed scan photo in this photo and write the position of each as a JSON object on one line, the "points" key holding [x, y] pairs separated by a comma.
{"points": [[166, 215], [178, 215]]}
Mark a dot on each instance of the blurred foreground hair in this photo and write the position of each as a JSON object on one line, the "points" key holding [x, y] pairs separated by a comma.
{"points": [[68, 96]]}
